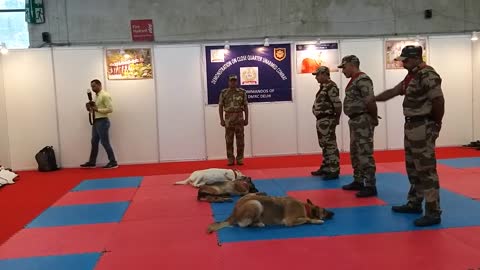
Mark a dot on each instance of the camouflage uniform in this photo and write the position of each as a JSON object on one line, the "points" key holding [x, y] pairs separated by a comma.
{"points": [[326, 102], [233, 102], [361, 126], [420, 87]]}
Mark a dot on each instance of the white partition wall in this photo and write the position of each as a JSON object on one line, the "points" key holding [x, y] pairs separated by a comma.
{"points": [[4, 143], [394, 116], [451, 56], [30, 104], [370, 53], [134, 133], [180, 103], [273, 129], [42, 102], [75, 68], [476, 89]]}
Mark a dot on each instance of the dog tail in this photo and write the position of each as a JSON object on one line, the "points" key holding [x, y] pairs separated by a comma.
{"points": [[183, 182], [218, 225]]}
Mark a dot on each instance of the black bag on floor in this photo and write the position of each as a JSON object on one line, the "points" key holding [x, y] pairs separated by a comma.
{"points": [[46, 159]]}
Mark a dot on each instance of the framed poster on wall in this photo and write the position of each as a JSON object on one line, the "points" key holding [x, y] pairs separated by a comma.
{"points": [[312, 56], [393, 49], [129, 64], [264, 72]]}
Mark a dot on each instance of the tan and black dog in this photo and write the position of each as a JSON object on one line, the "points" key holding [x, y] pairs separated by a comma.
{"points": [[221, 192], [259, 210]]}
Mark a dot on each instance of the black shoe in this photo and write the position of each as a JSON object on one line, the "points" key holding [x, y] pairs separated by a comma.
{"points": [[111, 165], [353, 186], [408, 209], [88, 165], [318, 172], [330, 176], [427, 221], [240, 162], [231, 163], [367, 192]]}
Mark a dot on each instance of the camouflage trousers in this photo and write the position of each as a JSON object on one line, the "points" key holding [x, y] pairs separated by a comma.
{"points": [[234, 127], [361, 149], [327, 140], [421, 165]]}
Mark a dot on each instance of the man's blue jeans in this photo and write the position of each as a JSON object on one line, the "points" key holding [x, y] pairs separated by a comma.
{"points": [[100, 134]]}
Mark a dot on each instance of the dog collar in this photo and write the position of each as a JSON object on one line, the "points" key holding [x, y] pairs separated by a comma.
{"points": [[245, 185], [308, 210], [235, 174]]}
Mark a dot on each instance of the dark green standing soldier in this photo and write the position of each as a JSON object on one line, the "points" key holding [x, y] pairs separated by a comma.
{"points": [[233, 101], [327, 109], [423, 107]]}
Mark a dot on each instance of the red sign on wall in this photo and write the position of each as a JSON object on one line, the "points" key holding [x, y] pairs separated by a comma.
{"points": [[142, 30]]}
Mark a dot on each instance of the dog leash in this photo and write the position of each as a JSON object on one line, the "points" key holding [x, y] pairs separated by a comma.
{"points": [[235, 174]]}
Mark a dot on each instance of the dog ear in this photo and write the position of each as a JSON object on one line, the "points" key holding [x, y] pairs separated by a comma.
{"points": [[309, 202]]}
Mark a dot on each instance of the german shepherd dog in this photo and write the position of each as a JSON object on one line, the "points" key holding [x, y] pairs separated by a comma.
{"points": [[222, 191], [260, 210]]}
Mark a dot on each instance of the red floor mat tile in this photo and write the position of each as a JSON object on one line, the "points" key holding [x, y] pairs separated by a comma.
{"points": [[183, 256], [395, 251], [394, 167], [467, 184], [169, 201], [97, 196], [57, 241], [334, 198], [163, 180], [159, 244]]}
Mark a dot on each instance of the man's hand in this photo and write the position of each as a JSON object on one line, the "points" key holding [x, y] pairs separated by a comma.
{"points": [[369, 99], [222, 123]]}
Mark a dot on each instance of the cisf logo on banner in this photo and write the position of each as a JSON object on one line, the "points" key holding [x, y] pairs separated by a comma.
{"points": [[279, 53]]}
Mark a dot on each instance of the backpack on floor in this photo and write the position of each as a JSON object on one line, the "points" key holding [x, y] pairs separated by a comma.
{"points": [[46, 159]]}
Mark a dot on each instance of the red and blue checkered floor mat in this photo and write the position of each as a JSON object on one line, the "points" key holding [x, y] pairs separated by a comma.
{"points": [[148, 223]]}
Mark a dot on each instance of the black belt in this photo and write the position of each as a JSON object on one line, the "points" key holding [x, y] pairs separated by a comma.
{"points": [[100, 118], [235, 112], [355, 115], [417, 118], [324, 115]]}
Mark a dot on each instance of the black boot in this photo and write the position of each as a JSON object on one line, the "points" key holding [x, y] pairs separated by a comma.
{"points": [[427, 221], [353, 186], [408, 208], [367, 192], [330, 176], [318, 172]]}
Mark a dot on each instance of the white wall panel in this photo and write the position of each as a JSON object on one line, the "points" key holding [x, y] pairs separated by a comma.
{"points": [[30, 103], [133, 128], [75, 68], [452, 58], [180, 103], [4, 143]]}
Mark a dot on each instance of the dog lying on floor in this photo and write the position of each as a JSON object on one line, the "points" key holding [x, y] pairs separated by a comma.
{"points": [[221, 191], [259, 210], [210, 176]]}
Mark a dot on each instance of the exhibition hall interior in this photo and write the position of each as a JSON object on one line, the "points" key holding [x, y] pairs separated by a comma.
{"points": [[222, 134]]}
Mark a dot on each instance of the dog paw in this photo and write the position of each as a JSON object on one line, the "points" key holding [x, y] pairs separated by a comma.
{"points": [[260, 225], [316, 221]]}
